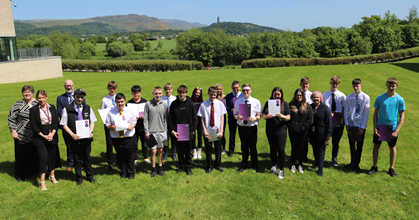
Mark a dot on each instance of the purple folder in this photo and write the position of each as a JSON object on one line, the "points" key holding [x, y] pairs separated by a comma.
{"points": [[353, 136], [183, 131], [223, 101], [337, 119], [244, 111], [151, 141], [140, 114], [234, 101], [197, 105], [385, 132]]}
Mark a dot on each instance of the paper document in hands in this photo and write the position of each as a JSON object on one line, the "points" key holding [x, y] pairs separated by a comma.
{"points": [[83, 129], [104, 113], [274, 107], [121, 123], [213, 133]]}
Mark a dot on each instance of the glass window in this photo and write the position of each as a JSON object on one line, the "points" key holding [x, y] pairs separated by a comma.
{"points": [[8, 49]]}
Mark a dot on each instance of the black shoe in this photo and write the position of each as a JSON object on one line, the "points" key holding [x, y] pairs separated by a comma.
{"points": [[161, 172], [110, 168], [230, 154], [208, 170], [92, 180], [179, 170], [123, 176], [372, 170], [392, 172], [335, 162], [174, 157], [357, 168], [320, 173], [314, 167], [256, 170], [219, 169], [131, 176], [189, 172], [153, 173], [79, 182], [165, 156], [349, 166], [241, 169]]}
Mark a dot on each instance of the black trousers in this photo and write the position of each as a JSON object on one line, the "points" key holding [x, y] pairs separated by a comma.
{"points": [[170, 140], [305, 150], [67, 140], [297, 140], [48, 154], [249, 138], [81, 152], [26, 160], [277, 140], [319, 148], [223, 139], [198, 135], [125, 149], [109, 147], [232, 128], [356, 152], [144, 149], [336, 136], [208, 153], [184, 152]]}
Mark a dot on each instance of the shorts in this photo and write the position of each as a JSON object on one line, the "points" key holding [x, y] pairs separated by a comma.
{"points": [[161, 138], [391, 143]]}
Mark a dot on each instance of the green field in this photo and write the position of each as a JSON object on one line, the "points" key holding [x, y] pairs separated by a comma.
{"points": [[339, 194]]}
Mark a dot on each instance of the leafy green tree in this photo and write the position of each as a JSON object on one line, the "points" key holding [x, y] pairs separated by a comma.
{"points": [[412, 17], [125, 41], [26, 44], [64, 45], [43, 42], [332, 43], [101, 39], [410, 35], [147, 45], [111, 39], [236, 50], [87, 49], [357, 44], [118, 49], [160, 44], [33, 37], [134, 37], [91, 39], [138, 45]]}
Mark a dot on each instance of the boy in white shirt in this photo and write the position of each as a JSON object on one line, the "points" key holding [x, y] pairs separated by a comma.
{"points": [[169, 99], [305, 84], [357, 108], [109, 102]]}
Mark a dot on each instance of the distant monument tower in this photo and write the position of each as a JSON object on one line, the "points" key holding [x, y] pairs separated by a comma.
{"points": [[218, 19]]}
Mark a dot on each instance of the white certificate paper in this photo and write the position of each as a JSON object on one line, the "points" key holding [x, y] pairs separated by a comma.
{"points": [[83, 129], [138, 109], [104, 113], [121, 123], [213, 133], [274, 107]]}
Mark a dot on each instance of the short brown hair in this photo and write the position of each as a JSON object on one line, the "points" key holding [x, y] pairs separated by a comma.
{"points": [[246, 85], [336, 80], [305, 80], [112, 84], [157, 88], [392, 80], [41, 92], [356, 81], [28, 87], [212, 89], [182, 89], [168, 86]]}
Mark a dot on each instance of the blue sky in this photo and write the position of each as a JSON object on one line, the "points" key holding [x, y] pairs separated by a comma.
{"points": [[293, 15]]}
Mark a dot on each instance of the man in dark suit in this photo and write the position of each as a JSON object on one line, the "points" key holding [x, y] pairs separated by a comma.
{"points": [[232, 122], [62, 101]]}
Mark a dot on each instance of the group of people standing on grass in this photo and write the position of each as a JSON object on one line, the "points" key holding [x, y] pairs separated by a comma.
{"points": [[310, 117]]}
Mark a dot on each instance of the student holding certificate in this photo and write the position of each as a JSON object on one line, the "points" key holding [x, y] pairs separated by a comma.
{"points": [[247, 112], [139, 128], [389, 112], [276, 112], [121, 122], [301, 118], [182, 126], [44, 124], [212, 113], [75, 115]]}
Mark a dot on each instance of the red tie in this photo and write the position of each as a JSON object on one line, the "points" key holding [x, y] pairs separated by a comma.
{"points": [[212, 115]]}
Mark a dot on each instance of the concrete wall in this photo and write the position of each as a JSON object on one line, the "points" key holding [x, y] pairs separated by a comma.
{"points": [[30, 70], [7, 25]]}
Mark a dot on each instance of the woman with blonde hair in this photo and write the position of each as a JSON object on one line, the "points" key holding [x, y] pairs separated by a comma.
{"points": [[221, 97]]}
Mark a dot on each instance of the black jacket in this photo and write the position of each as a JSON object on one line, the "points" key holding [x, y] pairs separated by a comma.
{"points": [[182, 113], [36, 125], [322, 123]]}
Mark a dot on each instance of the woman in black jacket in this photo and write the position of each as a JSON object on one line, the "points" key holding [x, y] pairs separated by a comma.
{"points": [[44, 124], [321, 130], [301, 118]]}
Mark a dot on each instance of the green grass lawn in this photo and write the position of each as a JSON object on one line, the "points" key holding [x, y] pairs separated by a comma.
{"points": [[339, 194]]}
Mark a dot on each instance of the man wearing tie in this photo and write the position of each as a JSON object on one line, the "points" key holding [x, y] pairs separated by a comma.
{"points": [[232, 122], [80, 147], [248, 130], [62, 101], [109, 102], [335, 100]]}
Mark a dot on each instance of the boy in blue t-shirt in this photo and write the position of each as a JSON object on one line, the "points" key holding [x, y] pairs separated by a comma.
{"points": [[387, 108]]}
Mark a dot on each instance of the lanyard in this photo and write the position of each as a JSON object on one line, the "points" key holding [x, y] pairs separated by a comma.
{"points": [[46, 114]]}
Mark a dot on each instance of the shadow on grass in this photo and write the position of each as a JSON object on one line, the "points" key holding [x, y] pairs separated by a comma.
{"points": [[409, 66]]}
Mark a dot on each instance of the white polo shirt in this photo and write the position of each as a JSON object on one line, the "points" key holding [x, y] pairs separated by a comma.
{"points": [[205, 111], [130, 117], [340, 99], [351, 119], [255, 109], [107, 102]]}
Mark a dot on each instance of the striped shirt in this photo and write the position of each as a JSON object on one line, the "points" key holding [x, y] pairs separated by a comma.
{"points": [[19, 120]]}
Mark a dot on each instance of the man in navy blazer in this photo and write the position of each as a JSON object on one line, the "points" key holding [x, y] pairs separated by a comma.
{"points": [[62, 101], [232, 122]]}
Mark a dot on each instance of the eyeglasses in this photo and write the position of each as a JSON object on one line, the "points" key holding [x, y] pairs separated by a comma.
{"points": [[299, 95], [245, 90]]}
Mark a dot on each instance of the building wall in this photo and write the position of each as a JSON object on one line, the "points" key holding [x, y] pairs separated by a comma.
{"points": [[7, 25], [30, 70]]}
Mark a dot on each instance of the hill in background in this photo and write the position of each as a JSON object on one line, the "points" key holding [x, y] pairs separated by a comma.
{"points": [[240, 28]]}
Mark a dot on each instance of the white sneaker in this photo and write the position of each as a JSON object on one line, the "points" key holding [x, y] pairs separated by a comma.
{"points": [[223, 151], [273, 169], [195, 154], [147, 161], [199, 153], [281, 174], [300, 169], [292, 169]]}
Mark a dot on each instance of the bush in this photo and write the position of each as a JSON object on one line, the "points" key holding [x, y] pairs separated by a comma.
{"points": [[131, 65]]}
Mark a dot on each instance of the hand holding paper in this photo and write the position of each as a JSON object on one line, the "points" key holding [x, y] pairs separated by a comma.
{"points": [[83, 129]]}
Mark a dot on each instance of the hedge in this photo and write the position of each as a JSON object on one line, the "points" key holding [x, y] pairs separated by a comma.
{"points": [[360, 59], [130, 65]]}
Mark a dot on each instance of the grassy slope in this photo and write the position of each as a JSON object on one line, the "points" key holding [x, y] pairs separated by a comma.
{"points": [[339, 194]]}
